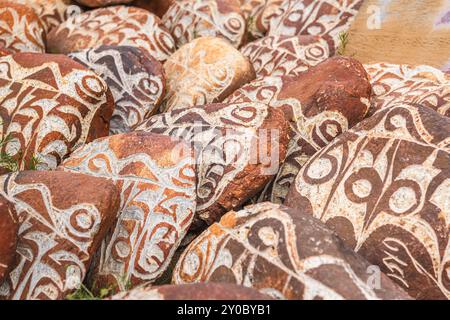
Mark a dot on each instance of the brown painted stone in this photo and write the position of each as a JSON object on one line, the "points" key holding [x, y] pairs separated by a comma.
{"points": [[327, 18], [117, 25], [20, 30], [196, 291], [136, 81], [205, 70], [258, 13], [50, 105], [321, 103], [239, 148], [286, 55], [158, 7], [63, 217], [191, 19], [384, 188], [283, 253], [102, 3], [8, 236], [422, 84], [155, 175], [53, 12]]}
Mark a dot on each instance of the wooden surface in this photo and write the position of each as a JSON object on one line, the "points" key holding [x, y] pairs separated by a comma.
{"points": [[402, 31]]}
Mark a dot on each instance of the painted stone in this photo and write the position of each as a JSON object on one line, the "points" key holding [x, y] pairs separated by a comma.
{"points": [[191, 19], [321, 103], [155, 175], [327, 18], [63, 217], [117, 25], [196, 291], [136, 81], [384, 189], [203, 71], [239, 149], [282, 253], [20, 28], [102, 3], [53, 12], [8, 236], [50, 105], [286, 55], [424, 85], [158, 7], [258, 13]]}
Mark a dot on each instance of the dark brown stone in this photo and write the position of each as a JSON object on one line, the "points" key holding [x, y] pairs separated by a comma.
{"points": [[63, 217], [101, 3], [384, 188], [50, 105], [158, 7], [136, 81], [8, 236], [283, 253]]}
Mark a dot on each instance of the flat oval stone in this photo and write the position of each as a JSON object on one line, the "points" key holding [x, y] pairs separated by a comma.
{"points": [[62, 219], [384, 189], [191, 19], [239, 149], [155, 175], [50, 105], [136, 81], [203, 71], [283, 253], [22, 30], [117, 25]]}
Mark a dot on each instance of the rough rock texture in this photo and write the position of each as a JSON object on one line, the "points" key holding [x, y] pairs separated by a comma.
{"points": [[206, 70], [197, 291], [327, 18], [156, 178], [102, 3], [49, 105], [239, 148], [63, 217], [286, 55], [53, 12], [117, 25], [424, 85], [283, 253], [190, 19], [321, 103], [8, 236], [158, 7], [258, 14], [136, 80], [20, 28], [384, 188]]}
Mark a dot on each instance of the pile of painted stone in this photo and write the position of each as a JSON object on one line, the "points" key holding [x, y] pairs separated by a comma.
{"points": [[202, 149]]}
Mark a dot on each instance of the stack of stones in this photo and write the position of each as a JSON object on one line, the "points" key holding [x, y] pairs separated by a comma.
{"points": [[216, 149]]}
